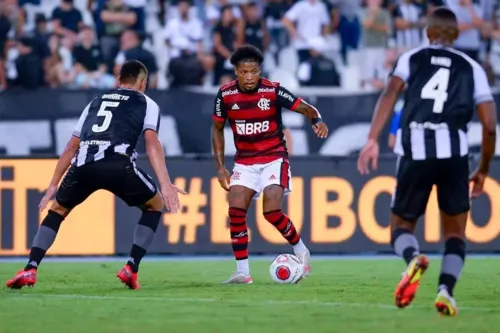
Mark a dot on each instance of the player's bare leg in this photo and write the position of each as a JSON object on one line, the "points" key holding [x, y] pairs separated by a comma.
{"points": [[452, 263], [406, 246], [273, 213], [143, 237], [240, 198], [45, 237]]}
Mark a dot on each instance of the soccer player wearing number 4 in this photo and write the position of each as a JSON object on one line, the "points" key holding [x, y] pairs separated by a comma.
{"points": [[252, 105], [443, 87], [102, 155]]}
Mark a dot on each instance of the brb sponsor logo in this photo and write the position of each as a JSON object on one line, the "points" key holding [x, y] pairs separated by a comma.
{"points": [[244, 128]]}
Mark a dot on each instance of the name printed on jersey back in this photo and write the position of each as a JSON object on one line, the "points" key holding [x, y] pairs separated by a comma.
{"points": [[95, 143], [116, 97], [441, 61]]}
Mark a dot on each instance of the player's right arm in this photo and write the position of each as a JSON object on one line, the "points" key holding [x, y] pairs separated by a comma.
{"points": [[65, 159], [156, 157], [219, 120], [486, 110]]}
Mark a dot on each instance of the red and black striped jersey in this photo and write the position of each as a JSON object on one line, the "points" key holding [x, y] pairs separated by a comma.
{"points": [[255, 118]]}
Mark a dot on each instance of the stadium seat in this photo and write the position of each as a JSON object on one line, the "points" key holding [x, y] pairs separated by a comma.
{"points": [[289, 59], [286, 78]]}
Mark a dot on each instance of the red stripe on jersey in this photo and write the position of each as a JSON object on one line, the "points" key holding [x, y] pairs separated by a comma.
{"points": [[218, 118], [285, 179], [296, 104]]}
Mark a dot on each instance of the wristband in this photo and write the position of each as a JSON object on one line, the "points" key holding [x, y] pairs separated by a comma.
{"points": [[315, 121]]}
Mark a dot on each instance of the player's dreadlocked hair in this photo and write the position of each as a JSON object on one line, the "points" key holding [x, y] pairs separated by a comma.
{"points": [[247, 53]]}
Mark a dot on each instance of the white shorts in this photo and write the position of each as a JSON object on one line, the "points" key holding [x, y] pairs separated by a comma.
{"points": [[258, 176]]}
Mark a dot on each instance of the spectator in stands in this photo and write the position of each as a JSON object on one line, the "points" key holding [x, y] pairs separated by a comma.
{"points": [[345, 20], [273, 13], [224, 38], [318, 70], [131, 48], [66, 20], [13, 11], [376, 22], [252, 29], [139, 8], [409, 21], [305, 20], [29, 68], [185, 69], [89, 67], [29, 9], [470, 21], [116, 18], [187, 28], [5, 26], [214, 10]]}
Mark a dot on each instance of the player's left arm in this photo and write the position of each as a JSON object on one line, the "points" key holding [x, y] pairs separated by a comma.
{"points": [[287, 100], [385, 105], [70, 150]]}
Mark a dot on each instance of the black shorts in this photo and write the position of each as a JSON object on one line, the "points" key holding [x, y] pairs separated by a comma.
{"points": [[117, 174], [414, 185]]}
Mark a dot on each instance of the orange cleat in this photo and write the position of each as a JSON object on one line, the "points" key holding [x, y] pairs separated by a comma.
{"points": [[408, 286], [128, 278], [22, 278]]}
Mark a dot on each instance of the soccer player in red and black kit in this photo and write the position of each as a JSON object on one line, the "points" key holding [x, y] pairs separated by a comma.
{"points": [[252, 104]]}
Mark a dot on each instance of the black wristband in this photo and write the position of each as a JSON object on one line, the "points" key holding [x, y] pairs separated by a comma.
{"points": [[315, 121]]}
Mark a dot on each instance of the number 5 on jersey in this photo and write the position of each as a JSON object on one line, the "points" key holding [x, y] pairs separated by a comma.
{"points": [[107, 114], [437, 89]]}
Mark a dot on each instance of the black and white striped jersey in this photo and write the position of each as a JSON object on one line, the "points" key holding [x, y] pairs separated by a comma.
{"points": [[112, 123], [443, 87]]}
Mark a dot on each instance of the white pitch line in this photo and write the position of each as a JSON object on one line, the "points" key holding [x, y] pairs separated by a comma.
{"points": [[169, 298]]}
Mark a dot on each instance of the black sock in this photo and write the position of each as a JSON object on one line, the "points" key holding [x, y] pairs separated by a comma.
{"points": [[45, 237], [452, 264], [143, 237]]}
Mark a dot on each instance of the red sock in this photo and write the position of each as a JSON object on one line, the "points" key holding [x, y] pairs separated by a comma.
{"points": [[239, 232], [284, 225]]}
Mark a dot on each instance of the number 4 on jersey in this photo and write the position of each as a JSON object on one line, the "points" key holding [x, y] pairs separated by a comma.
{"points": [[436, 89], [107, 114]]}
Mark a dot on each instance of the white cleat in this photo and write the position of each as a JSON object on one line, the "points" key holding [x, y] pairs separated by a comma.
{"points": [[305, 259], [239, 278], [445, 304]]}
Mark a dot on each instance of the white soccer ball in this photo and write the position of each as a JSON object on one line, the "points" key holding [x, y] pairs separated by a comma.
{"points": [[286, 268]]}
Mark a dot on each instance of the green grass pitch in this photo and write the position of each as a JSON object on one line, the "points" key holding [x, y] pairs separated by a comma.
{"points": [[187, 296]]}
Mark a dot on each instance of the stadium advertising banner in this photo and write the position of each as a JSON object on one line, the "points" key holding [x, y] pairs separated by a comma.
{"points": [[335, 209], [39, 123]]}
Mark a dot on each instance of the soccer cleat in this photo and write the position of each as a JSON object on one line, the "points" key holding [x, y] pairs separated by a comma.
{"points": [[22, 278], [239, 278], [305, 259], [445, 304], [128, 278], [408, 286]]}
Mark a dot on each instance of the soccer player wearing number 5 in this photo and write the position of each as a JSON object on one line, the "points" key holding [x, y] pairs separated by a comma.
{"points": [[252, 105], [443, 87], [101, 155]]}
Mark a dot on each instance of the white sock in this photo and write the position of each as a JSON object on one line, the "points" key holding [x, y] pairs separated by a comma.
{"points": [[242, 266], [300, 247]]}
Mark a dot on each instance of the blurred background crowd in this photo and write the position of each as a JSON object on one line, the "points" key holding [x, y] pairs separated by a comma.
{"points": [[352, 44]]}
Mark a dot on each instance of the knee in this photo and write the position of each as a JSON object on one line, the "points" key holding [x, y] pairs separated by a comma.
{"points": [[155, 204], [57, 208]]}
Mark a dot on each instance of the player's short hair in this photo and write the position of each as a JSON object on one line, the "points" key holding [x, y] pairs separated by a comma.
{"points": [[444, 22], [247, 53], [131, 70]]}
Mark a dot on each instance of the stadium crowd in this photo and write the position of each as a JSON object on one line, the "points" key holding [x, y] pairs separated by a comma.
{"points": [[348, 43]]}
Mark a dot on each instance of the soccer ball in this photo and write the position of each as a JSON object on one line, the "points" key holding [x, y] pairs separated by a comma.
{"points": [[286, 268]]}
